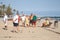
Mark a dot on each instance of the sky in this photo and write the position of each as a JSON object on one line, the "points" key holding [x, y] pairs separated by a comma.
{"points": [[33, 5]]}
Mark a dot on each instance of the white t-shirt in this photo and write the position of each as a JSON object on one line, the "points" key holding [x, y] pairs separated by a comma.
{"points": [[5, 18], [15, 19], [23, 18]]}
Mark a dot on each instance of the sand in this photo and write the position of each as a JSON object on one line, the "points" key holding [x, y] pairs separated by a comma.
{"points": [[29, 33]]}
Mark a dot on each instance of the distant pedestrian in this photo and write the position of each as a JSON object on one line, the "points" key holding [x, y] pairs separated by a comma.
{"points": [[56, 23], [5, 20]]}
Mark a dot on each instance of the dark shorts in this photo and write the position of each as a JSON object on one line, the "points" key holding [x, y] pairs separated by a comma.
{"points": [[15, 24], [30, 21]]}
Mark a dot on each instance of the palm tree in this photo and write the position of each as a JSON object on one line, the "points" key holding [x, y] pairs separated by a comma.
{"points": [[3, 7], [14, 10], [9, 10]]}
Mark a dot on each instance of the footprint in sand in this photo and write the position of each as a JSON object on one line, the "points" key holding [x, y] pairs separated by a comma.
{"points": [[10, 37], [21, 31], [7, 37], [32, 31]]}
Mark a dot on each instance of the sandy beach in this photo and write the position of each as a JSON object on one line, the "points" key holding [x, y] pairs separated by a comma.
{"points": [[29, 19], [29, 33]]}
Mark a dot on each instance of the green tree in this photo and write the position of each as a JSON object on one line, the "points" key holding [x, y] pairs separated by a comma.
{"points": [[3, 7], [14, 10], [0, 12], [9, 10]]}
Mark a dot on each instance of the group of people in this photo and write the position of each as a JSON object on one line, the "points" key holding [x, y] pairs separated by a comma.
{"points": [[46, 23], [26, 21]]}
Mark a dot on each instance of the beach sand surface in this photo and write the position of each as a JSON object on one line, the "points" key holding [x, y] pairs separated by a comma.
{"points": [[29, 33]]}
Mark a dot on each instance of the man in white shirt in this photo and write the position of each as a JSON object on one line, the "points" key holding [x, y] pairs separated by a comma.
{"points": [[23, 20], [5, 20], [15, 22]]}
